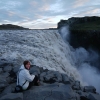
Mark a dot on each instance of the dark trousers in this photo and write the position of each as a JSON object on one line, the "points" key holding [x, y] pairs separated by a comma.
{"points": [[34, 82]]}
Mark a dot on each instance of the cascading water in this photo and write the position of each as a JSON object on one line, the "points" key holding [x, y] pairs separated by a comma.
{"points": [[46, 48], [86, 61]]}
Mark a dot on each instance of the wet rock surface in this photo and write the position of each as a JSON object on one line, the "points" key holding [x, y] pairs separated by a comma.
{"points": [[53, 86]]}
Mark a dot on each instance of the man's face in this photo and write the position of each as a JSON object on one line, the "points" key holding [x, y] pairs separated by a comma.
{"points": [[28, 65]]}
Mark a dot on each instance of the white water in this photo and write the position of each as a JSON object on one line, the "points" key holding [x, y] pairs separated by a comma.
{"points": [[82, 60], [46, 48]]}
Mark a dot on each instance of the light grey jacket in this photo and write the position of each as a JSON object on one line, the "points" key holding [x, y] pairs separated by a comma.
{"points": [[24, 76]]}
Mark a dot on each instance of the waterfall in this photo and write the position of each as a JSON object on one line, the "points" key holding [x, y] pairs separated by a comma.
{"points": [[46, 48], [85, 61]]}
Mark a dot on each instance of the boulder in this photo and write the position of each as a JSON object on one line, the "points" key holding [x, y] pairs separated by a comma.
{"points": [[12, 96], [6, 74], [76, 97], [90, 89], [83, 98], [16, 69], [41, 69], [4, 63], [76, 85], [81, 93], [7, 68], [71, 79], [42, 75], [9, 80], [50, 78], [34, 70], [92, 96], [3, 82], [58, 76], [53, 76], [65, 79]]}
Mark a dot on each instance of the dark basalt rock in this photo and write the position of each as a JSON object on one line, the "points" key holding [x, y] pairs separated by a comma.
{"points": [[11, 27], [53, 85], [91, 89], [65, 79], [35, 70], [84, 31], [76, 86], [50, 92], [12, 96], [84, 98], [92, 96]]}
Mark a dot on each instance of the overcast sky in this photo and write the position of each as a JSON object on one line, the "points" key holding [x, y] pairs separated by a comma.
{"points": [[35, 14]]}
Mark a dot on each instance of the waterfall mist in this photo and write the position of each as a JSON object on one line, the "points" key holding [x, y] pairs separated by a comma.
{"points": [[86, 61], [64, 32]]}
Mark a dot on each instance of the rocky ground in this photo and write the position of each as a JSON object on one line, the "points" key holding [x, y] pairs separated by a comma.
{"points": [[53, 86], [51, 61]]}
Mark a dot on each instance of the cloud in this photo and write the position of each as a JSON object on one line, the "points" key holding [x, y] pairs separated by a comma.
{"points": [[48, 22], [44, 8], [89, 11], [57, 7], [49, 11], [79, 3], [34, 3], [37, 24], [94, 11], [10, 13], [9, 5]]}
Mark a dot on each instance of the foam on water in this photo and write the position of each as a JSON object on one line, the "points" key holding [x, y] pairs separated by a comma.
{"points": [[44, 48]]}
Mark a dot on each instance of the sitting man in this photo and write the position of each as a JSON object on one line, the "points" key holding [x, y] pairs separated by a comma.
{"points": [[24, 78]]}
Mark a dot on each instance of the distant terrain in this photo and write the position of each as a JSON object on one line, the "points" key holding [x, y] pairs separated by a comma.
{"points": [[11, 27], [81, 23], [16, 27]]}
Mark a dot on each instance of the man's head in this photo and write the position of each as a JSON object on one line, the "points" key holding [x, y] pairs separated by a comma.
{"points": [[26, 64]]}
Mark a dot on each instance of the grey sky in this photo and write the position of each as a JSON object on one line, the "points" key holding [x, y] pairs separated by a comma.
{"points": [[45, 13]]}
